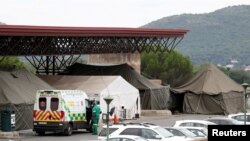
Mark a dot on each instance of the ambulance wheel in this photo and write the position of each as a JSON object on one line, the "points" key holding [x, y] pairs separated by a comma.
{"points": [[41, 133], [68, 130]]}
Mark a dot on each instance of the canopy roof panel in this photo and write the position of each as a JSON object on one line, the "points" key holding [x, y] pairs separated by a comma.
{"points": [[18, 30], [49, 40]]}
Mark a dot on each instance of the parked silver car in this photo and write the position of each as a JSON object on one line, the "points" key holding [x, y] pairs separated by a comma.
{"points": [[223, 121], [240, 117], [193, 123]]}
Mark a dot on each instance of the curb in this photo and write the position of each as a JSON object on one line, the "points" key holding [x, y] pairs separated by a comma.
{"points": [[156, 112], [9, 135]]}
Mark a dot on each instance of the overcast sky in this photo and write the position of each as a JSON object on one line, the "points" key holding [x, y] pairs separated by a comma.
{"points": [[102, 13]]}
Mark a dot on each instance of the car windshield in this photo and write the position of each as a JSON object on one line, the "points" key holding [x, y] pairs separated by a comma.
{"points": [[211, 123], [188, 133], [140, 139], [163, 132], [197, 132], [236, 122], [203, 130]]}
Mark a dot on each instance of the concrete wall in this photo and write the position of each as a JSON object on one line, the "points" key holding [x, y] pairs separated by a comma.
{"points": [[133, 59]]}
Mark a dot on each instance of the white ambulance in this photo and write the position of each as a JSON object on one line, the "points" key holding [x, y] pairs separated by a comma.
{"points": [[61, 111]]}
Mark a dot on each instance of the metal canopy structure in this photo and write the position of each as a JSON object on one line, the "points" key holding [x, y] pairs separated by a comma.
{"points": [[47, 44]]}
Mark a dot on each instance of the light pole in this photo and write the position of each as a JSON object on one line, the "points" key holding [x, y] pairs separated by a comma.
{"points": [[245, 85], [108, 100]]}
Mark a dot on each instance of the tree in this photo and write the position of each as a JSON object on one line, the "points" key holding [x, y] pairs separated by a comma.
{"points": [[11, 63], [172, 68], [238, 75]]}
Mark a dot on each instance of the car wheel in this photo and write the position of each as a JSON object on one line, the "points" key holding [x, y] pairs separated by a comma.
{"points": [[68, 130]]}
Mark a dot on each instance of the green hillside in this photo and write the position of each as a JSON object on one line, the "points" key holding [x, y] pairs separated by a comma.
{"points": [[214, 37]]}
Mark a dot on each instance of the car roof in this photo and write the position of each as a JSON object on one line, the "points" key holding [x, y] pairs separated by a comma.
{"points": [[231, 120], [238, 114], [219, 118], [195, 121], [134, 125], [126, 136], [193, 127], [180, 128], [171, 127]]}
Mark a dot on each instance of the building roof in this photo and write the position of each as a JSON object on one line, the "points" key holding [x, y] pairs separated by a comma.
{"points": [[20, 30], [18, 40]]}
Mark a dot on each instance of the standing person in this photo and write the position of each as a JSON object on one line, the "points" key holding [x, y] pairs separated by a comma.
{"points": [[89, 114], [95, 117]]}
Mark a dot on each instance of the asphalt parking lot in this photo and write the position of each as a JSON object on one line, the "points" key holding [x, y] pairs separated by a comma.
{"points": [[28, 135]]}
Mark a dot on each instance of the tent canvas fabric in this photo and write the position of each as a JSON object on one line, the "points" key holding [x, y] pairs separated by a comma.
{"points": [[17, 94], [99, 87], [210, 92], [152, 96]]}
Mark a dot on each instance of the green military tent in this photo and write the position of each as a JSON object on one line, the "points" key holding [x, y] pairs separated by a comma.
{"points": [[17, 94], [209, 92], [153, 96]]}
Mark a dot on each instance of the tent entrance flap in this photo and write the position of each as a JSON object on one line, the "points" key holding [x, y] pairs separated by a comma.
{"points": [[202, 104]]}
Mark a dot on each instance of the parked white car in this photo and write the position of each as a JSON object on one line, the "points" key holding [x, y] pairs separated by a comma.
{"points": [[193, 123], [224, 121], [182, 131], [240, 117], [147, 131]]}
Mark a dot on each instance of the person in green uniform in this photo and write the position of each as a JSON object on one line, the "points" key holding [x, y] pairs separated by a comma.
{"points": [[95, 117]]}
